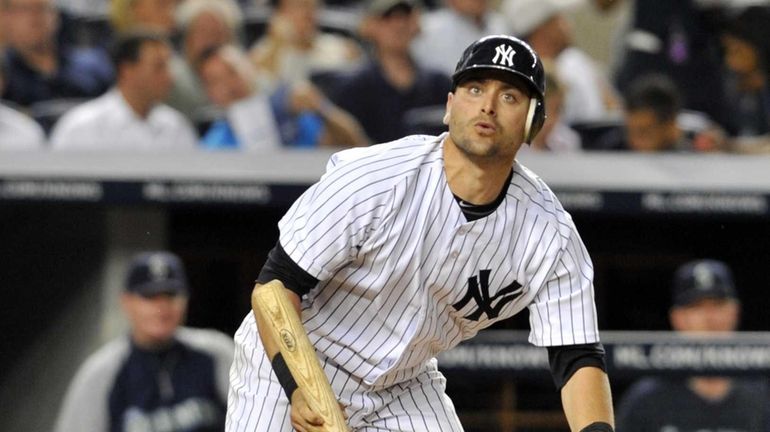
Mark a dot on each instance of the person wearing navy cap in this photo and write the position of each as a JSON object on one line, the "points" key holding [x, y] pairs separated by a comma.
{"points": [[704, 299], [161, 376]]}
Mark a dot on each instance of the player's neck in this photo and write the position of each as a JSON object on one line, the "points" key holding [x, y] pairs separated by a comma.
{"points": [[710, 388], [149, 343], [474, 180]]}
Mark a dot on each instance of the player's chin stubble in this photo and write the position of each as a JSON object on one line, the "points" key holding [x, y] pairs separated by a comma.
{"points": [[487, 148]]}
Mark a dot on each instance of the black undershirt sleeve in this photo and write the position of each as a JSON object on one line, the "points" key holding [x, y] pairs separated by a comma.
{"points": [[565, 360], [279, 265]]}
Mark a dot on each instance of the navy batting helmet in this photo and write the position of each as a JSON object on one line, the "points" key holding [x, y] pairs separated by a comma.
{"points": [[512, 55]]}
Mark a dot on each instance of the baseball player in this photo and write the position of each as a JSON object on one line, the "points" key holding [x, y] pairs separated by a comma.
{"points": [[402, 250]]}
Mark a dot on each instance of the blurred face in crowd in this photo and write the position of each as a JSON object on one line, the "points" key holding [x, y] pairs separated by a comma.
{"points": [[740, 56], [149, 78], [709, 314], [206, 30], [154, 319], [301, 19], [29, 24], [395, 30], [647, 133], [556, 33], [472, 8], [486, 116], [156, 15], [224, 83]]}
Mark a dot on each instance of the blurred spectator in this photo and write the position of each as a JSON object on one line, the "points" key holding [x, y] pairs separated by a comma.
{"points": [[605, 5], [146, 15], [679, 39], [555, 135], [588, 94], [84, 8], [746, 41], [3, 30], [40, 68], [392, 95], [297, 115], [17, 131], [704, 300], [655, 121], [294, 48], [159, 377], [203, 24], [445, 32], [130, 116]]}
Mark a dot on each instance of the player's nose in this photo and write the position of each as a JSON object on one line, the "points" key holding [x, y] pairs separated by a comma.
{"points": [[488, 105]]}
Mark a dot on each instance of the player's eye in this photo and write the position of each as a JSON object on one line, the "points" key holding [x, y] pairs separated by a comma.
{"points": [[474, 89]]}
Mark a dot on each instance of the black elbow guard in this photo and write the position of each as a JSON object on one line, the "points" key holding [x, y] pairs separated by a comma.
{"points": [[280, 266], [567, 359]]}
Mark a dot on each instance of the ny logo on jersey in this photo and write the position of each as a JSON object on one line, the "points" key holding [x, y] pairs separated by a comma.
{"points": [[478, 289], [504, 55]]}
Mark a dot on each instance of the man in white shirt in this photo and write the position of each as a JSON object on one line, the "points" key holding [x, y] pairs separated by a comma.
{"points": [[17, 131], [447, 31], [130, 116]]}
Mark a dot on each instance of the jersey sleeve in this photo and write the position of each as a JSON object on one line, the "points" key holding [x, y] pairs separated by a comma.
{"points": [[331, 223], [86, 404], [563, 312]]}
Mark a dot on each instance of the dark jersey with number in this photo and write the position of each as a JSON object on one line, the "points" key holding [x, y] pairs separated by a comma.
{"points": [[660, 405], [123, 388]]}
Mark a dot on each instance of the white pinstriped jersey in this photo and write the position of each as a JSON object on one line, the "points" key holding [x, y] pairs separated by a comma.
{"points": [[403, 275]]}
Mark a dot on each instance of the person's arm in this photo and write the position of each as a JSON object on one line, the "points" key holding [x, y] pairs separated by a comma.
{"points": [[341, 128], [587, 400], [298, 282], [266, 54]]}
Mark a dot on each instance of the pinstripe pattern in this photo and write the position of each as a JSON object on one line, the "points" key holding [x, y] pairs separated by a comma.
{"points": [[257, 403], [393, 251]]}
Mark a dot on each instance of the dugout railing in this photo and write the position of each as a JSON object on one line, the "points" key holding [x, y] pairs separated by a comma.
{"points": [[506, 359], [71, 220]]}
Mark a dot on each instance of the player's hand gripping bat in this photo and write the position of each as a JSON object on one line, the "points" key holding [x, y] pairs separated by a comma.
{"points": [[287, 331]]}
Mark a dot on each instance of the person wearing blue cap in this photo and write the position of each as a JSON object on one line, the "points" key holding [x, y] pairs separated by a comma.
{"points": [[704, 299], [161, 377]]}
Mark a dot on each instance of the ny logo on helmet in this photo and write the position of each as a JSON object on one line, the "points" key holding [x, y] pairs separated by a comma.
{"points": [[504, 55]]}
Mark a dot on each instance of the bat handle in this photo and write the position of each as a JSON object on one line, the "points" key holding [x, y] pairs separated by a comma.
{"points": [[282, 323]]}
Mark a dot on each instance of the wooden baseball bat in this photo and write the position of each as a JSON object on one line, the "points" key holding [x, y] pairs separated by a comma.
{"points": [[286, 329]]}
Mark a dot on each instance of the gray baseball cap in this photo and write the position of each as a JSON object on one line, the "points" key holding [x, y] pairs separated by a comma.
{"points": [[153, 273], [382, 7], [701, 279]]}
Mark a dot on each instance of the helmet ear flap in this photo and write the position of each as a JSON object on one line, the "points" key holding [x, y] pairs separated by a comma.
{"points": [[535, 119]]}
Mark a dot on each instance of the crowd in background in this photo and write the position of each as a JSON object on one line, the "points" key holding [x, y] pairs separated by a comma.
{"points": [[686, 75]]}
